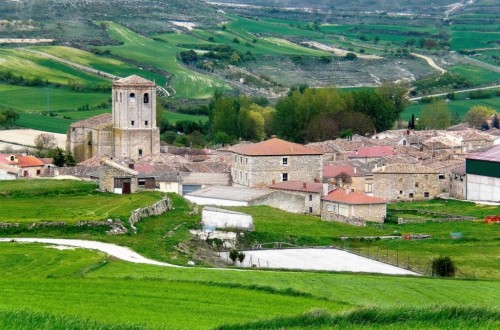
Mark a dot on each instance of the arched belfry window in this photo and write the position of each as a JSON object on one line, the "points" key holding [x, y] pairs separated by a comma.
{"points": [[146, 98], [132, 97]]}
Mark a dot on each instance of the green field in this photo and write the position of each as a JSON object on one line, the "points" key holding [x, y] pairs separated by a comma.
{"points": [[174, 117], [33, 99], [476, 75], [24, 207], [461, 107], [187, 83]]}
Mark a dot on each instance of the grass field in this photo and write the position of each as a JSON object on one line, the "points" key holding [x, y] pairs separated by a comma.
{"points": [[33, 99], [20, 206], [461, 107], [187, 83], [476, 75], [44, 123]]}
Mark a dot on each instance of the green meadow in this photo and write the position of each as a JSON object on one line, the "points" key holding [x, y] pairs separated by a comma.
{"points": [[187, 83], [476, 75], [460, 106]]}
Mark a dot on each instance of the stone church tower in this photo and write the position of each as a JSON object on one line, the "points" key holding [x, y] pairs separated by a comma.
{"points": [[129, 132], [134, 118]]}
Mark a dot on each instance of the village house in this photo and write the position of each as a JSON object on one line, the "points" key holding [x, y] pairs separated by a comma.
{"points": [[350, 175], [371, 154], [311, 192], [406, 182], [129, 132], [353, 207], [457, 182], [117, 178], [27, 166], [275, 160], [483, 175]]}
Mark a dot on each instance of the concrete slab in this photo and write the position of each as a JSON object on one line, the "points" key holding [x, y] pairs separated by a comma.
{"points": [[239, 194], [317, 259]]}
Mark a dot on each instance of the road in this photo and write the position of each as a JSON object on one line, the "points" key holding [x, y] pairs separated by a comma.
{"points": [[456, 92]]}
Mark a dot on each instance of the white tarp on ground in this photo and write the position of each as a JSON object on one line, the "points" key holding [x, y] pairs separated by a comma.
{"points": [[317, 259]]}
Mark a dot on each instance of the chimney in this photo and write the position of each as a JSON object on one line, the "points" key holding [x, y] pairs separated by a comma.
{"points": [[304, 185], [273, 136], [274, 182]]}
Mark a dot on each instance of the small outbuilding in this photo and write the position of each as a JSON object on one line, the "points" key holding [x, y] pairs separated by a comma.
{"points": [[117, 178]]}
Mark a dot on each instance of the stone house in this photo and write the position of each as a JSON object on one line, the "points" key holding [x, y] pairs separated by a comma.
{"points": [[370, 154], [117, 178], [405, 182], [483, 175], [352, 207], [27, 166], [275, 160], [457, 182], [350, 175], [129, 132], [311, 192]]}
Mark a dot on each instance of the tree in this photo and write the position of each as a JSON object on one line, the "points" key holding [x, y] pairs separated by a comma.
{"points": [[241, 257], [58, 158], [69, 159], [233, 255], [478, 114], [44, 143], [443, 266], [435, 115], [350, 56], [397, 93], [495, 122], [382, 112]]}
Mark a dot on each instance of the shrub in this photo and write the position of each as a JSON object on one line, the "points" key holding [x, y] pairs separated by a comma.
{"points": [[233, 255], [443, 266]]}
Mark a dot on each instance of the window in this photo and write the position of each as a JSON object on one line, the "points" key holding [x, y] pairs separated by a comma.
{"points": [[120, 97], [285, 176], [38, 172], [410, 195], [132, 97], [116, 96], [246, 176], [368, 187], [441, 177], [241, 160], [132, 123], [141, 182], [310, 197], [241, 176], [426, 194], [416, 184], [146, 98], [400, 192], [72, 129], [284, 161], [146, 123], [235, 158], [246, 161], [329, 207], [12, 158], [310, 209], [140, 152]]}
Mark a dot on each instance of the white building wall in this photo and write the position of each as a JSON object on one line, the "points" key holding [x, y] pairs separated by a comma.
{"points": [[214, 201], [483, 188], [220, 218]]}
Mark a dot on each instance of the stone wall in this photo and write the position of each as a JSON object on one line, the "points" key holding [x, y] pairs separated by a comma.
{"points": [[157, 208], [331, 216], [314, 203], [261, 171], [369, 212], [405, 186], [107, 178]]}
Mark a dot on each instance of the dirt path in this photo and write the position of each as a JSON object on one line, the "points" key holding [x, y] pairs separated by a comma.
{"points": [[430, 61], [456, 92]]}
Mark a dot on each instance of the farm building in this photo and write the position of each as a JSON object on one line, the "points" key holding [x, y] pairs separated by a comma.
{"points": [[311, 192], [483, 175], [116, 178], [352, 207], [275, 160], [129, 132]]}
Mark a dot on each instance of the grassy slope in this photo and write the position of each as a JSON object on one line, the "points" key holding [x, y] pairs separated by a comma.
{"points": [[187, 83], [52, 206]]}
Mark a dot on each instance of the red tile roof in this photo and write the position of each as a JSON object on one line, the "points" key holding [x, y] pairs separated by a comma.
{"points": [[275, 147], [337, 170], [313, 187], [491, 155], [371, 152], [342, 196], [29, 161]]}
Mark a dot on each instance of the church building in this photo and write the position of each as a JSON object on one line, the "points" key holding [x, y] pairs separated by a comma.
{"points": [[129, 132]]}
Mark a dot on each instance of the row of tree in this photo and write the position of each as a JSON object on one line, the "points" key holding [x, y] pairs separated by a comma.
{"points": [[309, 114]]}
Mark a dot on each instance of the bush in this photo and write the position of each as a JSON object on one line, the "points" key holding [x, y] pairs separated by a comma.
{"points": [[443, 266]]}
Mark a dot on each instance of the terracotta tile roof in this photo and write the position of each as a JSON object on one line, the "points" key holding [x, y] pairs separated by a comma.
{"points": [[372, 152], [134, 80], [350, 168], [491, 155], [29, 161], [275, 147], [405, 168], [119, 167], [342, 196], [312, 187], [94, 122]]}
